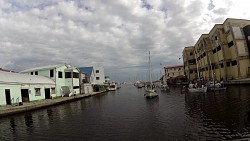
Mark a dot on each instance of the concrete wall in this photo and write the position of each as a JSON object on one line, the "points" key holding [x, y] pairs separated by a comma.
{"points": [[87, 88], [15, 92]]}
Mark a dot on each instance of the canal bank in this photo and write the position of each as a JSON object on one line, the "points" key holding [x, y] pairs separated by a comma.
{"points": [[238, 82], [29, 106]]}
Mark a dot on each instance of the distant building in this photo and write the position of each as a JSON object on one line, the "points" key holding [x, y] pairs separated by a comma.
{"points": [[174, 74], [89, 74], [16, 88], [95, 75], [223, 53], [66, 78], [189, 61]]}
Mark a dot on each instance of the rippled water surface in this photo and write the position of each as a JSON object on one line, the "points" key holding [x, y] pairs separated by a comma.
{"points": [[126, 115]]}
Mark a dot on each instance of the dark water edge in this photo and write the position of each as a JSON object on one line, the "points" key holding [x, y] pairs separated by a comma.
{"points": [[126, 115]]}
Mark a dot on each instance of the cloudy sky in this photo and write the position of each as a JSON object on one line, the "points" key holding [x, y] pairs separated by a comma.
{"points": [[117, 34]]}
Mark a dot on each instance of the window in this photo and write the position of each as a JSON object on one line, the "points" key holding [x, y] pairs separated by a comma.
{"points": [[215, 37], [53, 90], [75, 75], [204, 54], [37, 92], [192, 62], [36, 72], [76, 87], [214, 51], [230, 44], [191, 53], [31, 73], [234, 63], [59, 74], [68, 75], [96, 71], [191, 71], [228, 64], [218, 48], [221, 65], [51, 73], [97, 78]]}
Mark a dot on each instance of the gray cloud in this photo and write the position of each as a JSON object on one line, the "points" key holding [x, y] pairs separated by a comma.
{"points": [[117, 34]]}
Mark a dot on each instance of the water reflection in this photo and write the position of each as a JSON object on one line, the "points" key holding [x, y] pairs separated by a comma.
{"points": [[127, 115], [220, 114], [13, 124], [28, 120]]}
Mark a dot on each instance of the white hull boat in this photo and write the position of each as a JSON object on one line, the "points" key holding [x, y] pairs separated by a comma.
{"points": [[150, 91], [217, 88], [112, 87], [198, 90], [151, 94]]}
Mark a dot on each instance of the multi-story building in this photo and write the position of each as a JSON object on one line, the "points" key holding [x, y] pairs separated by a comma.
{"points": [[174, 74], [190, 68], [202, 53], [95, 74], [66, 78], [224, 52]]}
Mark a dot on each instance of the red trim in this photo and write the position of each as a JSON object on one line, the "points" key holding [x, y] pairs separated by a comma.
{"points": [[6, 70]]}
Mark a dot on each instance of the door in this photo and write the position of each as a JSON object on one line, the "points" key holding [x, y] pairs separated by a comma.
{"points": [[47, 93], [25, 95], [7, 96]]}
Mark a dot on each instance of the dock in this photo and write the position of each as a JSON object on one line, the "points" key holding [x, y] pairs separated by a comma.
{"points": [[238, 82], [29, 106]]}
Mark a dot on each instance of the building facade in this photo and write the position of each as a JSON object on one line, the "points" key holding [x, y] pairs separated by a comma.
{"points": [[95, 74], [16, 88], [174, 74], [223, 54], [66, 78], [190, 68]]}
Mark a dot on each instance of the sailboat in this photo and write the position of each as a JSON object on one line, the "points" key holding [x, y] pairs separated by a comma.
{"points": [[150, 89]]}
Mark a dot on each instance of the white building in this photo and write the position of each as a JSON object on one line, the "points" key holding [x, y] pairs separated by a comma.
{"points": [[66, 77], [15, 88], [95, 75], [99, 75]]}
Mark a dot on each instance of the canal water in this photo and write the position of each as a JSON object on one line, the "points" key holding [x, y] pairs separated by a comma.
{"points": [[126, 115]]}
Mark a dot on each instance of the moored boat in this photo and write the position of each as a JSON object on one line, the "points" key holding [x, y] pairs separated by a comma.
{"points": [[198, 90], [150, 88]]}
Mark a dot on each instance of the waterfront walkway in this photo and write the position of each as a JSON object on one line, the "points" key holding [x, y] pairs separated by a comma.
{"points": [[28, 106]]}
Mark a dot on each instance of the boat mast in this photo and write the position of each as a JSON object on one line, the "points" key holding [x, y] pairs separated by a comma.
{"points": [[150, 76]]}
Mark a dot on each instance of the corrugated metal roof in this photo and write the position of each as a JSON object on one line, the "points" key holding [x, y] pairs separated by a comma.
{"points": [[86, 70], [9, 77], [43, 68]]}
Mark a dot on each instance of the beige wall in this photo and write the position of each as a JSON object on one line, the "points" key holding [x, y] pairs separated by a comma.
{"points": [[219, 37]]}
